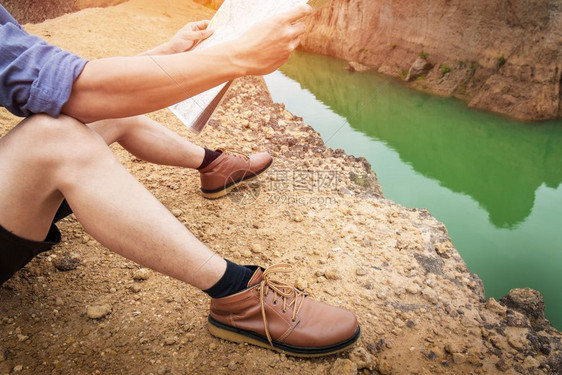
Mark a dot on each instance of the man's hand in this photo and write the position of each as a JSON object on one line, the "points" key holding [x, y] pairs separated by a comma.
{"points": [[184, 40], [268, 45]]}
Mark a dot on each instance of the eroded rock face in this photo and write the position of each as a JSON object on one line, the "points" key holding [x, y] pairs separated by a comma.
{"points": [[498, 56]]}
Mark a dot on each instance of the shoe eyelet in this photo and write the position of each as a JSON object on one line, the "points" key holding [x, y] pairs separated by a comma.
{"points": [[283, 311], [293, 320], [275, 302]]}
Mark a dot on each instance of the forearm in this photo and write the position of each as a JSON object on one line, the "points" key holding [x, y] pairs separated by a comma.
{"points": [[162, 49], [126, 86]]}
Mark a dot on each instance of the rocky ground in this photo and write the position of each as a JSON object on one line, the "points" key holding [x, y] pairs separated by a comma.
{"points": [[81, 309]]}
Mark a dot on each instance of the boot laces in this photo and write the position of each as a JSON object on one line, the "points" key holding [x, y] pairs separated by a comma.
{"points": [[292, 298], [234, 151]]}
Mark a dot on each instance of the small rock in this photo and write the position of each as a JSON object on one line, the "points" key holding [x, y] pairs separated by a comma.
{"points": [[269, 132], [495, 307], [452, 348], [474, 359], [212, 346], [516, 343], [360, 271], [332, 274], [442, 249], [297, 218], [247, 254], [382, 294], [459, 358], [171, 340], [362, 358], [343, 367], [354, 66], [85, 239], [232, 366], [255, 248], [530, 362], [97, 311], [413, 289], [502, 365], [18, 368], [516, 319], [419, 67], [67, 262], [497, 341], [190, 337], [141, 274], [177, 212], [135, 288], [430, 295], [384, 367], [301, 284], [22, 338]]}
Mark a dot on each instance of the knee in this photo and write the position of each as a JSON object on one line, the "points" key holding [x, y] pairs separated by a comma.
{"points": [[129, 126], [55, 141]]}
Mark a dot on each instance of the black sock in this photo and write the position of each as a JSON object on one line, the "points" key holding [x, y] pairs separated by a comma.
{"points": [[209, 157], [235, 279]]}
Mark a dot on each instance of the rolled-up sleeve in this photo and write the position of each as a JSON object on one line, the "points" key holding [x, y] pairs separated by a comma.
{"points": [[35, 77]]}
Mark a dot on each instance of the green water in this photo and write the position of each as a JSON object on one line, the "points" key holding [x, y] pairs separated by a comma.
{"points": [[494, 182]]}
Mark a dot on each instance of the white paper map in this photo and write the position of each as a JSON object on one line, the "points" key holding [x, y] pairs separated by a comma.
{"points": [[231, 20]]}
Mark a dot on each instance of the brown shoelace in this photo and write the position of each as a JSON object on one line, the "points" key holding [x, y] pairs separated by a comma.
{"points": [[234, 151], [280, 290]]}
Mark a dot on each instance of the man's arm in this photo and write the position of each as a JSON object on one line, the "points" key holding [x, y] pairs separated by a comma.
{"points": [[126, 86]]}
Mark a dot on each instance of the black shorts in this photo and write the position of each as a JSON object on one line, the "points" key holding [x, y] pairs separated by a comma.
{"points": [[16, 252]]}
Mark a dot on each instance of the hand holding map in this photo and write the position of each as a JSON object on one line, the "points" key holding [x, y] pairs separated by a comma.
{"points": [[231, 21]]}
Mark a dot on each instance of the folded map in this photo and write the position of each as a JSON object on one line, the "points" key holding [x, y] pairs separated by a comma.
{"points": [[231, 20]]}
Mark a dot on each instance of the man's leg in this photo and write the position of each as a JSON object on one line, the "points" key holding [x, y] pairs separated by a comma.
{"points": [[148, 140], [220, 171], [43, 160]]}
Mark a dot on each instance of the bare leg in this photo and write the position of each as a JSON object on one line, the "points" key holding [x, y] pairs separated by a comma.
{"points": [[43, 159], [148, 140]]}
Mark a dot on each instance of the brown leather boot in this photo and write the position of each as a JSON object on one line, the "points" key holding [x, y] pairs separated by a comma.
{"points": [[229, 170], [274, 315]]}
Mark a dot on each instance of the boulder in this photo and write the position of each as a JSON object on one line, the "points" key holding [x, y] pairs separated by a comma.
{"points": [[419, 67]]}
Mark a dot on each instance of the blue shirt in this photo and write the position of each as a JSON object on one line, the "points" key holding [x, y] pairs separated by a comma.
{"points": [[35, 77]]}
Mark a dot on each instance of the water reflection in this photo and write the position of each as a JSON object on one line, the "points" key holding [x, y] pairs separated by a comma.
{"points": [[498, 162]]}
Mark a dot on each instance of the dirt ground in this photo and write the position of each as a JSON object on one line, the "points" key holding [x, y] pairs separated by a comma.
{"points": [[81, 309]]}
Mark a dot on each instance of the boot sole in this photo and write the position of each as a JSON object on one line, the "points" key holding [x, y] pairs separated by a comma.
{"points": [[242, 336], [221, 192]]}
